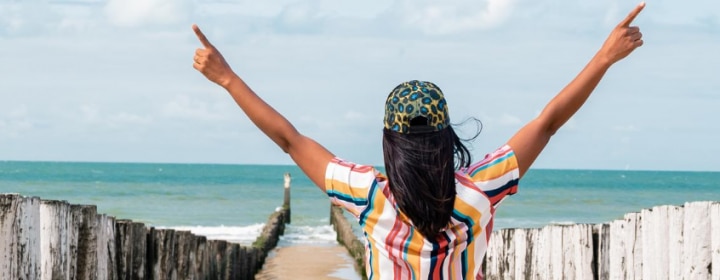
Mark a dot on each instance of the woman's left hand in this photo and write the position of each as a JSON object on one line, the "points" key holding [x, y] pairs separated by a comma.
{"points": [[623, 39]]}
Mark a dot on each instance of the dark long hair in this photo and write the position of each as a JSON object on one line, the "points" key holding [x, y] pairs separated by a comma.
{"points": [[421, 173]]}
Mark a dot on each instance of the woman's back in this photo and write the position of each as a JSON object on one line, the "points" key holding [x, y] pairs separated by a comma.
{"points": [[395, 249]]}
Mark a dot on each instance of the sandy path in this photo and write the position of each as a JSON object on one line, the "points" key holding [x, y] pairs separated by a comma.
{"points": [[308, 262]]}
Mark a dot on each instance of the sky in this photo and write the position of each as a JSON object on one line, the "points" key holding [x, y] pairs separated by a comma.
{"points": [[112, 81]]}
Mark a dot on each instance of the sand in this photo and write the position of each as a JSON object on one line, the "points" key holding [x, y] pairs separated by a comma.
{"points": [[308, 262]]}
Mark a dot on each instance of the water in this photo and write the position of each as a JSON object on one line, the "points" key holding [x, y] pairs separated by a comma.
{"points": [[598, 196], [232, 202]]}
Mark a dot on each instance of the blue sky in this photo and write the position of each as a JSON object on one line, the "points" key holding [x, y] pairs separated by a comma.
{"points": [[94, 80]]}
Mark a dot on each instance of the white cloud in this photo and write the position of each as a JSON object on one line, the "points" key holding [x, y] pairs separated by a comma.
{"points": [[131, 13], [20, 111], [185, 107], [355, 116], [625, 128], [447, 17], [129, 118], [15, 122], [14, 128], [501, 120], [40, 17], [300, 12], [509, 120], [92, 116], [31, 17]]}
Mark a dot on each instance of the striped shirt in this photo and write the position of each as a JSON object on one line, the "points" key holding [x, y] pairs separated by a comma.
{"points": [[395, 249]]}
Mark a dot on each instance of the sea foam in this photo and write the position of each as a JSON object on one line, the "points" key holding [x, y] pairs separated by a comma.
{"points": [[246, 235], [237, 234]]}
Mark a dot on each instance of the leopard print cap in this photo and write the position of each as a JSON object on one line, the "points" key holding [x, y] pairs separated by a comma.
{"points": [[414, 99]]}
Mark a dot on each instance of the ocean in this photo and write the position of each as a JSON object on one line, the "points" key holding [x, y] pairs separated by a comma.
{"points": [[232, 202]]}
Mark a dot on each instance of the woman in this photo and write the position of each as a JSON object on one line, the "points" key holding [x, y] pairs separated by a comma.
{"points": [[431, 216]]}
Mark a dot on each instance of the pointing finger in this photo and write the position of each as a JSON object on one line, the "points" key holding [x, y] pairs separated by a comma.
{"points": [[201, 37], [629, 19]]}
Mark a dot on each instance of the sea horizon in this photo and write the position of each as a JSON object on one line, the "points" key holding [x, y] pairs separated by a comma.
{"points": [[379, 166]]}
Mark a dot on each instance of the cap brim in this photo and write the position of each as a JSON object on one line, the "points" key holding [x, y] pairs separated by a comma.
{"points": [[421, 129]]}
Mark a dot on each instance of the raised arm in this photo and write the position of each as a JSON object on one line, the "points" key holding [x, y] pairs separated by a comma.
{"points": [[530, 140], [310, 156]]}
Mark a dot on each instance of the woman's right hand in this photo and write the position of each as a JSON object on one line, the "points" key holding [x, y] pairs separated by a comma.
{"points": [[623, 39], [210, 62]]}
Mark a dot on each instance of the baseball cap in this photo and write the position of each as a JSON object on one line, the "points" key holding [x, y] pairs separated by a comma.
{"points": [[416, 107]]}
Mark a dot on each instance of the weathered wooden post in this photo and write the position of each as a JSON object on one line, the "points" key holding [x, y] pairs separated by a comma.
{"points": [[715, 247], [131, 250], [58, 239], [601, 262], [19, 237], [286, 200], [697, 255], [86, 224]]}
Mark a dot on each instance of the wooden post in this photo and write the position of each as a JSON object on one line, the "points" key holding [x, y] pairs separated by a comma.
{"points": [[579, 254], [286, 200], [715, 242], [57, 239], [653, 256], [556, 251], [675, 219], [131, 248], [106, 254], [602, 251], [697, 257], [86, 223], [20, 256], [657, 242], [622, 247]]}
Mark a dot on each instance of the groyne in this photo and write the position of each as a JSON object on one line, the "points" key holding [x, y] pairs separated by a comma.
{"points": [[347, 238], [49, 239], [663, 242]]}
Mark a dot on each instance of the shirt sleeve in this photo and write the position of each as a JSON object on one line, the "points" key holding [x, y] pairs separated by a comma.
{"points": [[497, 175], [347, 184]]}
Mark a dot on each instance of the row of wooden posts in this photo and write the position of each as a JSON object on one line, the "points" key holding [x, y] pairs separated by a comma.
{"points": [[664, 242], [48, 239]]}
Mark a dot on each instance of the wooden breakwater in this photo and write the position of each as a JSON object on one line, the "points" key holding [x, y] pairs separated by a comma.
{"points": [[347, 238], [47, 239], [664, 242]]}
